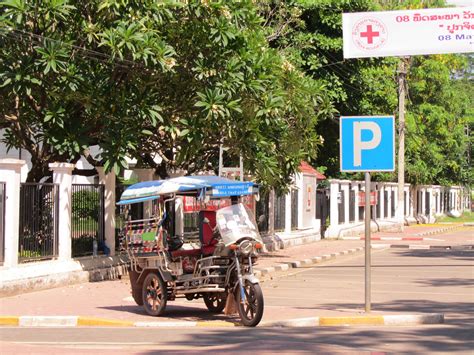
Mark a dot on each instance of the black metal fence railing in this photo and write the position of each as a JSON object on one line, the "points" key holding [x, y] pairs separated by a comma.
{"points": [[2, 222], [352, 205], [294, 209], [341, 203], [261, 212], [191, 222], [38, 234], [280, 213], [88, 220]]}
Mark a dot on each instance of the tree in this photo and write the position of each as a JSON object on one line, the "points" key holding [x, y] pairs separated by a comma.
{"points": [[144, 78], [437, 117], [310, 33]]}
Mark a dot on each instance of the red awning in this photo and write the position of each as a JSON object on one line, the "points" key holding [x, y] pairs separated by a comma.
{"points": [[305, 168]]}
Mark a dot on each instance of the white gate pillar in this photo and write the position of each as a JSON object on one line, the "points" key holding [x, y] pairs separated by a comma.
{"points": [[62, 175], [10, 173], [345, 191], [108, 180]]}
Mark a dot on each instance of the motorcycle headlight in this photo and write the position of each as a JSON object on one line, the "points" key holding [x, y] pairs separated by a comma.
{"points": [[246, 247]]}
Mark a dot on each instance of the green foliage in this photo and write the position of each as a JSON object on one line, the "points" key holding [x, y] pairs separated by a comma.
{"points": [[437, 146], [85, 204], [437, 118], [139, 79], [177, 79]]}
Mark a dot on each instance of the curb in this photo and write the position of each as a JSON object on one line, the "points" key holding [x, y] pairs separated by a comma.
{"points": [[393, 320], [430, 247], [438, 231], [419, 239], [77, 321], [305, 262]]}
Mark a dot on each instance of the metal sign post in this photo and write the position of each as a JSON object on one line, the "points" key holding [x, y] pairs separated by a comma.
{"points": [[367, 242], [367, 144]]}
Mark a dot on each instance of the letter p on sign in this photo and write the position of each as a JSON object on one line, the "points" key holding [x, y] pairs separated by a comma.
{"points": [[367, 143]]}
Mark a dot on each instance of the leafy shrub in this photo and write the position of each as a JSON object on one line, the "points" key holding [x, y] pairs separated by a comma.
{"points": [[85, 204]]}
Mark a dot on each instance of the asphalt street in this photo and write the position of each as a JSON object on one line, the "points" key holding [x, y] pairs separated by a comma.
{"points": [[403, 281]]}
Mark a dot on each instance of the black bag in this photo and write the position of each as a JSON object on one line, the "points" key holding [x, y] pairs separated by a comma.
{"points": [[174, 242]]}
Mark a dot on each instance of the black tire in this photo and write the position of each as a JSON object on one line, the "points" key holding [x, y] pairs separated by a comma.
{"points": [[252, 311], [136, 287], [215, 302], [154, 294]]}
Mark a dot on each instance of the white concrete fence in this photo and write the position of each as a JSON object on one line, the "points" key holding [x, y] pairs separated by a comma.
{"points": [[423, 204]]}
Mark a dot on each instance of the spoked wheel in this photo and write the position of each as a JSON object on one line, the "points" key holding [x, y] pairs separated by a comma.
{"points": [[154, 294], [250, 311], [215, 302]]}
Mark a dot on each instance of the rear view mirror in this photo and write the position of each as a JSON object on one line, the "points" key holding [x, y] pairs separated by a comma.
{"points": [[206, 220]]}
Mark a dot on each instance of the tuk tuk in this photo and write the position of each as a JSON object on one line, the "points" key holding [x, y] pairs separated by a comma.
{"points": [[217, 266]]}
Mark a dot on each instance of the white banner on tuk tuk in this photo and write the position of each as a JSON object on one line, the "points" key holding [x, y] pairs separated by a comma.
{"points": [[408, 32]]}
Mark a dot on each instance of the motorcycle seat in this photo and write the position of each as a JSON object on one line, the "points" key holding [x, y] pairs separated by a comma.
{"points": [[185, 252]]}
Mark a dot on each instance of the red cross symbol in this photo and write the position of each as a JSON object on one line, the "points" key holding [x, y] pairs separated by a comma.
{"points": [[369, 34]]}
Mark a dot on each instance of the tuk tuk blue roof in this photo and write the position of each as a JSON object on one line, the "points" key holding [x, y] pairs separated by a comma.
{"points": [[212, 186]]}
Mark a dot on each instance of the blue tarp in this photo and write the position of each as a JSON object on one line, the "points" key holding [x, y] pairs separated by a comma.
{"points": [[212, 186]]}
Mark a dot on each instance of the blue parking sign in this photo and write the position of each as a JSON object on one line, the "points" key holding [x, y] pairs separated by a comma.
{"points": [[367, 143]]}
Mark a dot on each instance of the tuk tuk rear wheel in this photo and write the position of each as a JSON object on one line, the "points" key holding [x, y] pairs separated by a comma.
{"points": [[154, 294], [250, 311], [215, 302]]}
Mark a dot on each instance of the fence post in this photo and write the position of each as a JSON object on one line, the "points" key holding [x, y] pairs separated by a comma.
{"points": [[271, 213], [108, 180], [333, 208], [145, 175], [345, 191], [11, 174], [62, 175]]}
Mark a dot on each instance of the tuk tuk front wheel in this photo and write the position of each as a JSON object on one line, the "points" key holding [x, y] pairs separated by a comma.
{"points": [[250, 310], [154, 294], [215, 302]]}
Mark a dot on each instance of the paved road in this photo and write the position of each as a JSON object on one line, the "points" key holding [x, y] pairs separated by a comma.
{"points": [[403, 281]]}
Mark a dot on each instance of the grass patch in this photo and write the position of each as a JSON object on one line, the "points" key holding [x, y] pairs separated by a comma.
{"points": [[465, 217]]}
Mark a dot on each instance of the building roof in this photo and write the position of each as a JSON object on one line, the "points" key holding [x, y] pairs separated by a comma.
{"points": [[305, 168]]}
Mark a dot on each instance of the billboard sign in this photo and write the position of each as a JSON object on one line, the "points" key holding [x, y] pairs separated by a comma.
{"points": [[408, 32], [367, 143]]}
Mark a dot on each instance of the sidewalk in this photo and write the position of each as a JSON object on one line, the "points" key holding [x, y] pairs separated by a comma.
{"points": [[109, 302]]}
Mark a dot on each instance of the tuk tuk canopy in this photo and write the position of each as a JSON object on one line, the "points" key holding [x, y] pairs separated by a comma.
{"points": [[198, 186]]}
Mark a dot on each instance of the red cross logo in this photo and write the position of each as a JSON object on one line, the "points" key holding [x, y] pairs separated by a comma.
{"points": [[370, 34]]}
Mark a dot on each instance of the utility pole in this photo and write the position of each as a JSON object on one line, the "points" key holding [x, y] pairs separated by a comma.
{"points": [[402, 71]]}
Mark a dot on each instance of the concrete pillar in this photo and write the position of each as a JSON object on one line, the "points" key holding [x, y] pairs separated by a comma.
{"points": [[345, 191], [300, 186], [408, 203], [62, 175], [108, 180], [423, 201], [334, 211], [355, 188], [397, 208], [10, 173], [382, 201], [145, 175]]}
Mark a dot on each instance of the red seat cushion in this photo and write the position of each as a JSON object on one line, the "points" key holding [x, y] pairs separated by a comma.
{"points": [[186, 252]]}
